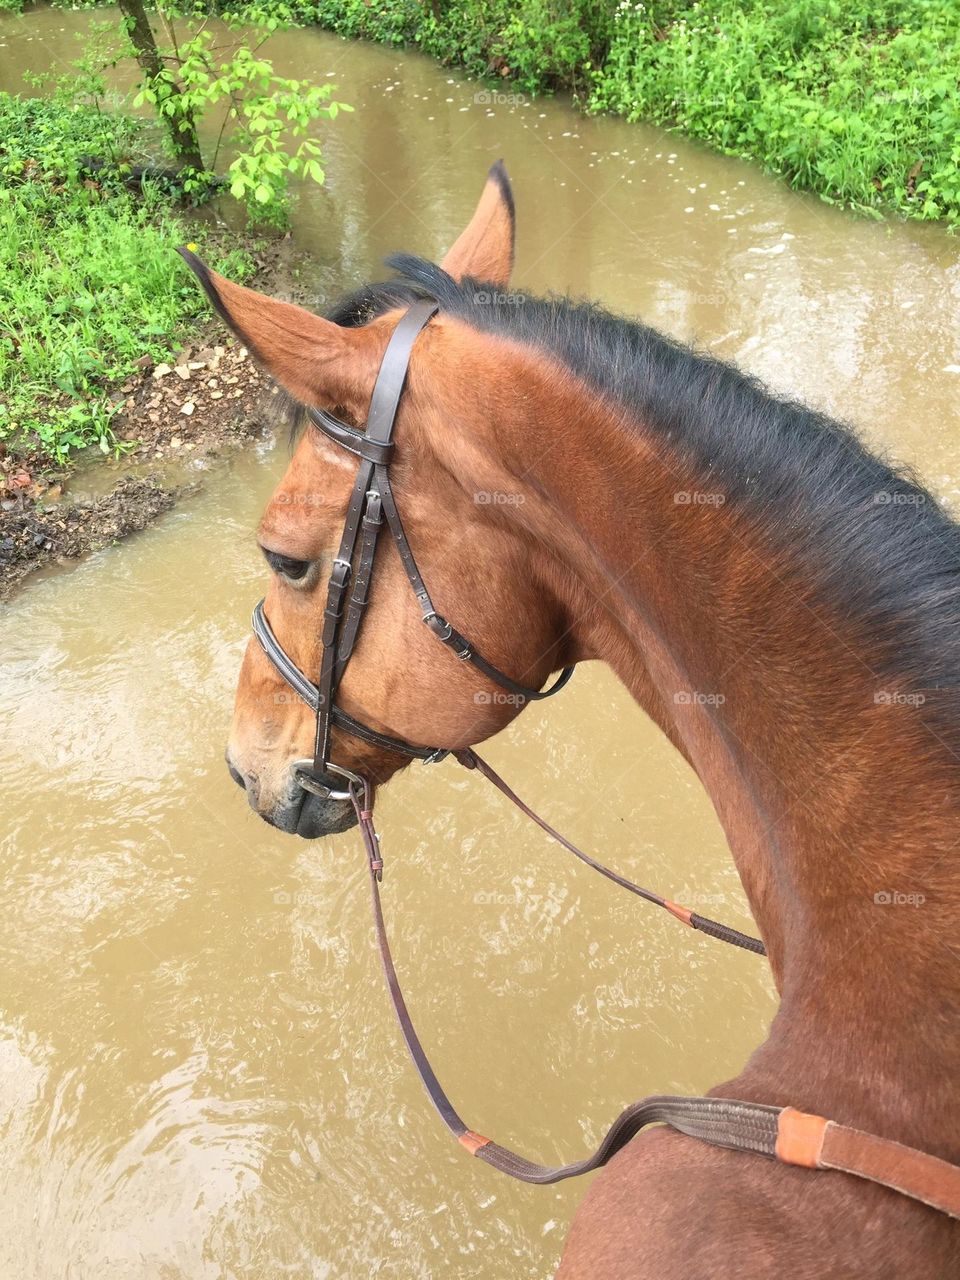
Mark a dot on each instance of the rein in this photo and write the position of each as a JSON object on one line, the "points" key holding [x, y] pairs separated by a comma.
{"points": [[781, 1133]]}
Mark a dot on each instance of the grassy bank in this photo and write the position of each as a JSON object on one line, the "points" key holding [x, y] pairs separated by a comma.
{"points": [[89, 280], [857, 101]]}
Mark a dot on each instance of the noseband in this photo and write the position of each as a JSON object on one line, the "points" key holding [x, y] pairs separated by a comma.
{"points": [[782, 1133], [370, 502]]}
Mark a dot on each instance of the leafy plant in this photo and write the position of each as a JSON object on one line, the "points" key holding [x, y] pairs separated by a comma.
{"points": [[857, 101], [263, 112], [89, 280]]}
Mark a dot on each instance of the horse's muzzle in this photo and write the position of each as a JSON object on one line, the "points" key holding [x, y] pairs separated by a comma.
{"points": [[298, 811]]}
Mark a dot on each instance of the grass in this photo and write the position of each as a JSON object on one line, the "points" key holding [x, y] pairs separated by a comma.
{"points": [[89, 280], [854, 99]]}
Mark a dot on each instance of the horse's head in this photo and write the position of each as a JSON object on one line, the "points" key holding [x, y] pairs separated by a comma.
{"points": [[478, 561]]}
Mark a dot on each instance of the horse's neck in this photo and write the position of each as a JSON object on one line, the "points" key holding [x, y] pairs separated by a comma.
{"points": [[841, 810]]}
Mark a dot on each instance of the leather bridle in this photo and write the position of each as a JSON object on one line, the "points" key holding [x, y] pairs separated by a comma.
{"points": [[784, 1133], [371, 501]]}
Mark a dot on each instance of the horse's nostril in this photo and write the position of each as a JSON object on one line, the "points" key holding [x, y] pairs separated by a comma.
{"points": [[236, 776]]}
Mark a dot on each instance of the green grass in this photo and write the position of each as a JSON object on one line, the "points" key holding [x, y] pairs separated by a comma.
{"points": [[89, 278], [854, 99]]}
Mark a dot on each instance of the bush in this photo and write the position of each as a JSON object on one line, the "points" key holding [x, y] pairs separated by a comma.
{"points": [[89, 280], [854, 100], [541, 45]]}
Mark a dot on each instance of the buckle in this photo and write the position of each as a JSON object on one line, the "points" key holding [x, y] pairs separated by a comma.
{"points": [[373, 511], [440, 627], [435, 757], [340, 572]]}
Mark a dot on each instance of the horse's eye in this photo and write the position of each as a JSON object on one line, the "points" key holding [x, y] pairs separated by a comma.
{"points": [[286, 565]]}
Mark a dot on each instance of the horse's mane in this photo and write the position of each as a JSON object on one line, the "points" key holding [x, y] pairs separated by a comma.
{"points": [[872, 543]]}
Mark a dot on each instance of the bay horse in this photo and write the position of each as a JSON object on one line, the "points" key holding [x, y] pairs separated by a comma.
{"points": [[782, 603]]}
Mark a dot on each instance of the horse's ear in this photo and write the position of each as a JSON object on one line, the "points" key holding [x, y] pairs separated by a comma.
{"points": [[485, 249], [317, 361]]}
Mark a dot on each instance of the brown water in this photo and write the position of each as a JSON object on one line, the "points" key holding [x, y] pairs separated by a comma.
{"points": [[199, 1072]]}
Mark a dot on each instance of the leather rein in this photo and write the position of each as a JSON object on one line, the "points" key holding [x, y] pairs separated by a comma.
{"points": [[782, 1133]]}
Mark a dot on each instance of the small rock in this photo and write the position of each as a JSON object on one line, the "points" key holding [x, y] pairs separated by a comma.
{"points": [[176, 442], [189, 445], [183, 371], [216, 395], [161, 371], [211, 382], [233, 378], [153, 415], [143, 362], [188, 407], [196, 364]]}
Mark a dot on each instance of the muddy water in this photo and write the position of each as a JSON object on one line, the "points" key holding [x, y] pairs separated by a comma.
{"points": [[199, 1075]]}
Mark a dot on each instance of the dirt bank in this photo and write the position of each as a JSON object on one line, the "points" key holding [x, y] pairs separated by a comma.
{"points": [[209, 399]]}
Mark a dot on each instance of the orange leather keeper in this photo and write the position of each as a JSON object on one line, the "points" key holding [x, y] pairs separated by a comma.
{"points": [[472, 1141], [800, 1138]]}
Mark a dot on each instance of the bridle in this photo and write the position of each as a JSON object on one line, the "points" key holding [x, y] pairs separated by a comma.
{"points": [[789, 1135], [370, 503]]}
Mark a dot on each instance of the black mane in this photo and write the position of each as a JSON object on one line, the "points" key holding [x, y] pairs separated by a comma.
{"points": [[875, 544]]}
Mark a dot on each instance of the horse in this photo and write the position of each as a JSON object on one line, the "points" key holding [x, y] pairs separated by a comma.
{"points": [[782, 603]]}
